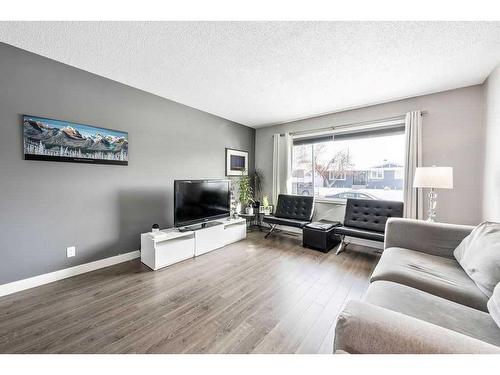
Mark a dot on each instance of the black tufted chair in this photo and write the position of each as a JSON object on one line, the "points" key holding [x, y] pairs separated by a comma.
{"points": [[365, 218], [291, 210]]}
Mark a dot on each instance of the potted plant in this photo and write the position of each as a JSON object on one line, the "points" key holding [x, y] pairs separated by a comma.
{"points": [[246, 194], [256, 183], [265, 204]]}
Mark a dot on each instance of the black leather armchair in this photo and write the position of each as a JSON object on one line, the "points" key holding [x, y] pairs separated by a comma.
{"points": [[366, 218], [291, 210]]}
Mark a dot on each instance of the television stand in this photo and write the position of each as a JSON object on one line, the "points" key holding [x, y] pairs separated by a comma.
{"points": [[194, 227], [169, 246]]}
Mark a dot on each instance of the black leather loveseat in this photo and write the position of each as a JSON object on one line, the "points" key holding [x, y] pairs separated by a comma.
{"points": [[291, 210], [365, 218]]}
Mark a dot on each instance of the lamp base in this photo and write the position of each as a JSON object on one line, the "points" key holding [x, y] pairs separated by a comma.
{"points": [[432, 206]]}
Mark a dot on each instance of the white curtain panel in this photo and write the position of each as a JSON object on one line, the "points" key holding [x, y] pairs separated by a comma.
{"points": [[413, 197], [276, 167], [282, 165], [287, 172]]}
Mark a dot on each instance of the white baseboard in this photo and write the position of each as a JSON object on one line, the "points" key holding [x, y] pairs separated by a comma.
{"points": [[17, 286]]}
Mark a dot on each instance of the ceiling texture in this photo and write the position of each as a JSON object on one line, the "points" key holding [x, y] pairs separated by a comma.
{"points": [[263, 73]]}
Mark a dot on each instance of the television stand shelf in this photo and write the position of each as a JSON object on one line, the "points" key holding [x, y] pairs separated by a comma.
{"points": [[170, 246]]}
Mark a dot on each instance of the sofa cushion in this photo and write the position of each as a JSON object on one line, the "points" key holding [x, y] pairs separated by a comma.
{"points": [[435, 310], [433, 274], [494, 305], [479, 255]]}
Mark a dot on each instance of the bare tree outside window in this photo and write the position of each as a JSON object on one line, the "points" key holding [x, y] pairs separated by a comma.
{"points": [[325, 162]]}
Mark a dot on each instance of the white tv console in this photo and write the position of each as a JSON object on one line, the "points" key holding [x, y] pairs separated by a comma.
{"points": [[170, 246]]}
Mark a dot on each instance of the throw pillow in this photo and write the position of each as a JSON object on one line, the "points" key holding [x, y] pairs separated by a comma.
{"points": [[494, 305], [479, 256]]}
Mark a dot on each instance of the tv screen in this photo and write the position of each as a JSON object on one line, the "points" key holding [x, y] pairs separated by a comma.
{"points": [[198, 201]]}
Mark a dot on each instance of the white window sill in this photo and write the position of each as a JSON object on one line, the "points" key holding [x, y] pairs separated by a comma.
{"points": [[338, 202]]}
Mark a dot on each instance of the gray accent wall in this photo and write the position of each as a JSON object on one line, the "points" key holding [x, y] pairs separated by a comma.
{"points": [[491, 196], [101, 209], [453, 135]]}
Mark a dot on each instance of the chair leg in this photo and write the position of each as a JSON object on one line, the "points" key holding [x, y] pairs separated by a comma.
{"points": [[342, 245], [270, 230]]}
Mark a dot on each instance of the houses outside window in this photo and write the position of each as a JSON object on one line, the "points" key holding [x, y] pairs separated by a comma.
{"points": [[338, 175], [377, 174], [365, 165], [399, 174]]}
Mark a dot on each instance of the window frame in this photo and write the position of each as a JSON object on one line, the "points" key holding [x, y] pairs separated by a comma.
{"points": [[345, 129]]}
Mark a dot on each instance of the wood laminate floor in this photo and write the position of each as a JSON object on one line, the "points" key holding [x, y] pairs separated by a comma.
{"points": [[255, 296]]}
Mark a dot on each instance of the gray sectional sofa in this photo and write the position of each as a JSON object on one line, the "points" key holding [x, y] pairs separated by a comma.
{"points": [[420, 300]]}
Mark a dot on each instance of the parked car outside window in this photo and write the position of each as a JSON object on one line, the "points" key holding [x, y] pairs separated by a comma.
{"points": [[351, 195]]}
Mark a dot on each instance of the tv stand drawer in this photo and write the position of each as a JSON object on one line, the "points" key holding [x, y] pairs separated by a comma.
{"points": [[171, 248], [174, 251], [208, 239], [235, 232]]}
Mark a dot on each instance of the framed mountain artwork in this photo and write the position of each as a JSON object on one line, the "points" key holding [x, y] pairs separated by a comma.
{"points": [[236, 162], [56, 140]]}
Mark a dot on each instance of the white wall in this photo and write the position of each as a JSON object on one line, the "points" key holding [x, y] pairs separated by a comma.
{"points": [[453, 135], [491, 192]]}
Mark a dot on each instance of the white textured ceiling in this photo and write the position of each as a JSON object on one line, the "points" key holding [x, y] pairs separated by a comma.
{"points": [[260, 73]]}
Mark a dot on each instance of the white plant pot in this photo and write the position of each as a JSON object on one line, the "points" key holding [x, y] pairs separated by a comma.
{"points": [[267, 211], [249, 210]]}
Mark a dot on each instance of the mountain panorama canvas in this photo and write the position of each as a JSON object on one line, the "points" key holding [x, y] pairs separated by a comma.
{"points": [[54, 140]]}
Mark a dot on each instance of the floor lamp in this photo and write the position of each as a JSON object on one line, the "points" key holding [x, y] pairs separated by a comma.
{"points": [[433, 178]]}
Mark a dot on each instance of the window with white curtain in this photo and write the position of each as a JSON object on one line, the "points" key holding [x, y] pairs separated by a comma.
{"points": [[364, 164]]}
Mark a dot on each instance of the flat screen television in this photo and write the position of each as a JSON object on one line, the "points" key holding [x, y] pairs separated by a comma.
{"points": [[199, 201]]}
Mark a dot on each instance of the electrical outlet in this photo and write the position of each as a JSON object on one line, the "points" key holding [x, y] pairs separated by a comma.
{"points": [[70, 251]]}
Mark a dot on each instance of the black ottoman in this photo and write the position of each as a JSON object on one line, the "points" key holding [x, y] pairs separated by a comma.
{"points": [[319, 235]]}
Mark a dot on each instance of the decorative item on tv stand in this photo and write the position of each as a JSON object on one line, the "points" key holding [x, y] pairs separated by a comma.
{"points": [[433, 178], [235, 210]]}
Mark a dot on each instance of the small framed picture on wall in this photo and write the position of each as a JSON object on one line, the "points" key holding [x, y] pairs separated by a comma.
{"points": [[236, 162]]}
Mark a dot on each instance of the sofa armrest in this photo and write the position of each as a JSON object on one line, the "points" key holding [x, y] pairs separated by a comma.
{"points": [[431, 238], [369, 329]]}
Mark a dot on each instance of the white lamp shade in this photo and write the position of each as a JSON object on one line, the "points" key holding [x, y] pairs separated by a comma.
{"points": [[433, 177]]}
